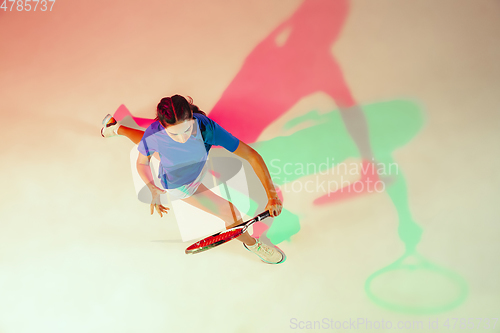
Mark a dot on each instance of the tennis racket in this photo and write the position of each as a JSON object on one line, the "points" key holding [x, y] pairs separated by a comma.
{"points": [[224, 236]]}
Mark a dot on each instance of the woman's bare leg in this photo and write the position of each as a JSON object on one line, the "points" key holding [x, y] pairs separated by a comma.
{"points": [[210, 202], [133, 134]]}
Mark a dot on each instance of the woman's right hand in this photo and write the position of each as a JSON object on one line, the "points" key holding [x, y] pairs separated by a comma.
{"points": [[156, 202]]}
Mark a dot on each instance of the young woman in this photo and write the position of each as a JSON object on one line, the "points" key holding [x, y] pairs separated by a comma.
{"points": [[182, 135]]}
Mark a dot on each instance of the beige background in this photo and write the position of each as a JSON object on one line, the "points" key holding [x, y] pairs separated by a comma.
{"points": [[79, 252]]}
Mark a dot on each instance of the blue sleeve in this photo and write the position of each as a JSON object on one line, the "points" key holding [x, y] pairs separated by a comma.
{"points": [[218, 136], [147, 145]]}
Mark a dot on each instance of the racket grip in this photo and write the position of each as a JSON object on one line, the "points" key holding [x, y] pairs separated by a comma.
{"points": [[262, 216]]}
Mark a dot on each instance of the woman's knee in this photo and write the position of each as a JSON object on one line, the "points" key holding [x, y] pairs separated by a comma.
{"points": [[229, 213]]}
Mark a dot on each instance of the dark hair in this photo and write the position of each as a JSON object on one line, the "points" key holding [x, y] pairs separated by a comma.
{"points": [[175, 109]]}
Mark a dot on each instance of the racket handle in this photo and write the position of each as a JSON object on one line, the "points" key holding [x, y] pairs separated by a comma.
{"points": [[262, 216]]}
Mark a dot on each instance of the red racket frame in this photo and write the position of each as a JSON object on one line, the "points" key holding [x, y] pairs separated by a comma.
{"points": [[224, 236]]}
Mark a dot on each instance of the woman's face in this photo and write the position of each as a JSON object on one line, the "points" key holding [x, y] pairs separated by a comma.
{"points": [[180, 132]]}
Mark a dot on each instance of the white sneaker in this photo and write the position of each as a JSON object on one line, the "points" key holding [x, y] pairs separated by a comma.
{"points": [[266, 253], [110, 127]]}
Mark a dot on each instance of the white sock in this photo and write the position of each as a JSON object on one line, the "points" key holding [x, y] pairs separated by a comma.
{"points": [[256, 242], [116, 129]]}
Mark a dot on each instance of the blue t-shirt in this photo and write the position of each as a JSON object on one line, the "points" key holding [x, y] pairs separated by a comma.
{"points": [[181, 163]]}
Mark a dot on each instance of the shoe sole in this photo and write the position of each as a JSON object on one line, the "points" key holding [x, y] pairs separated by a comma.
{"points": [[106, 119]]}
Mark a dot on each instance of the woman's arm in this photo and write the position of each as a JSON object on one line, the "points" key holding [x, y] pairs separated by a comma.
{"points": [[274, 204], [145, 172]]}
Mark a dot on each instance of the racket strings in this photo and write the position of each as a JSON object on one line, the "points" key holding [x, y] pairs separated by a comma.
{"points": [[220, 237]]}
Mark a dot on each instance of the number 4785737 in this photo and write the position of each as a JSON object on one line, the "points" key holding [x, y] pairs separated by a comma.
{"points": [[27, 5]]}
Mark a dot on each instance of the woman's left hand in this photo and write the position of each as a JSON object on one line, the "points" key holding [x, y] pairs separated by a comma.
{"points": [[274, 205]]}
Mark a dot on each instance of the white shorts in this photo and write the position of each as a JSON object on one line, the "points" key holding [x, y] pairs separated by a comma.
{"points": [[185, 191]]}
